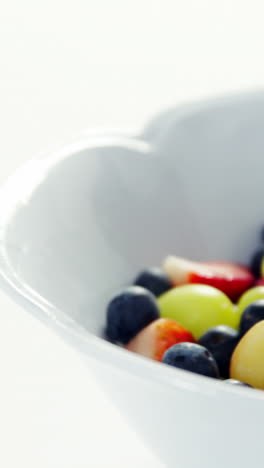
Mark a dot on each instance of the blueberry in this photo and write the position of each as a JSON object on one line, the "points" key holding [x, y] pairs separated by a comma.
{"points": [[237, 382], [252, 314], [155, 280], [255, 263], [221, 342], [192, 357], [129, 312]]}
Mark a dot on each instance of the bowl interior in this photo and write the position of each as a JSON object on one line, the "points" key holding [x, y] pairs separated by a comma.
{"points": [[79, 224]]}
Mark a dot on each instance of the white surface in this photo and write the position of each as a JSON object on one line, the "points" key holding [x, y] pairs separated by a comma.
{"points": [[52, 412], [65, 66]]}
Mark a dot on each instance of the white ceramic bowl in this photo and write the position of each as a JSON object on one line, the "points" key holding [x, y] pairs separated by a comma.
{"points": [[80, 223]]}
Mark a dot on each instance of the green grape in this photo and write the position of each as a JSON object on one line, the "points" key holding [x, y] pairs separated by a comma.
{"points": [[248, 297], [198, 307]]}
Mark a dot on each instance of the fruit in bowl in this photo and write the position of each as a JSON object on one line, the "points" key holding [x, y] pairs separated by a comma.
{"points": [[192, 301], [78, 226]]}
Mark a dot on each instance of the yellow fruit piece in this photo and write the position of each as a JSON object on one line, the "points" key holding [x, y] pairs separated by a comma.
{"points": [[198, 307], [248, 297], [248, 357], [262, 268]]}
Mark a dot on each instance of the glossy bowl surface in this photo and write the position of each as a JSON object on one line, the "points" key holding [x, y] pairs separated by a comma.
{"points": [[78, 224]]}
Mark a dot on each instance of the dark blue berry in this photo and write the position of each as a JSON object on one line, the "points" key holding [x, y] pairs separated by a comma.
{"points": [[192, 357], [129, 312], [237, 382], [221, 342], [252, 314], [256, 260], [155, 280]]}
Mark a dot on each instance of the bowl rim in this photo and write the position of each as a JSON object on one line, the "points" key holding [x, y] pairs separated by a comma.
{"points": [[76, 335]]}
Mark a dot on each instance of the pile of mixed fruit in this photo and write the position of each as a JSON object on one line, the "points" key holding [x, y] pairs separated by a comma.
{"points": [[206, 318]]}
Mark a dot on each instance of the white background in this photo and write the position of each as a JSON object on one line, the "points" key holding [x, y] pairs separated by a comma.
{"points": [[69, 65]]}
